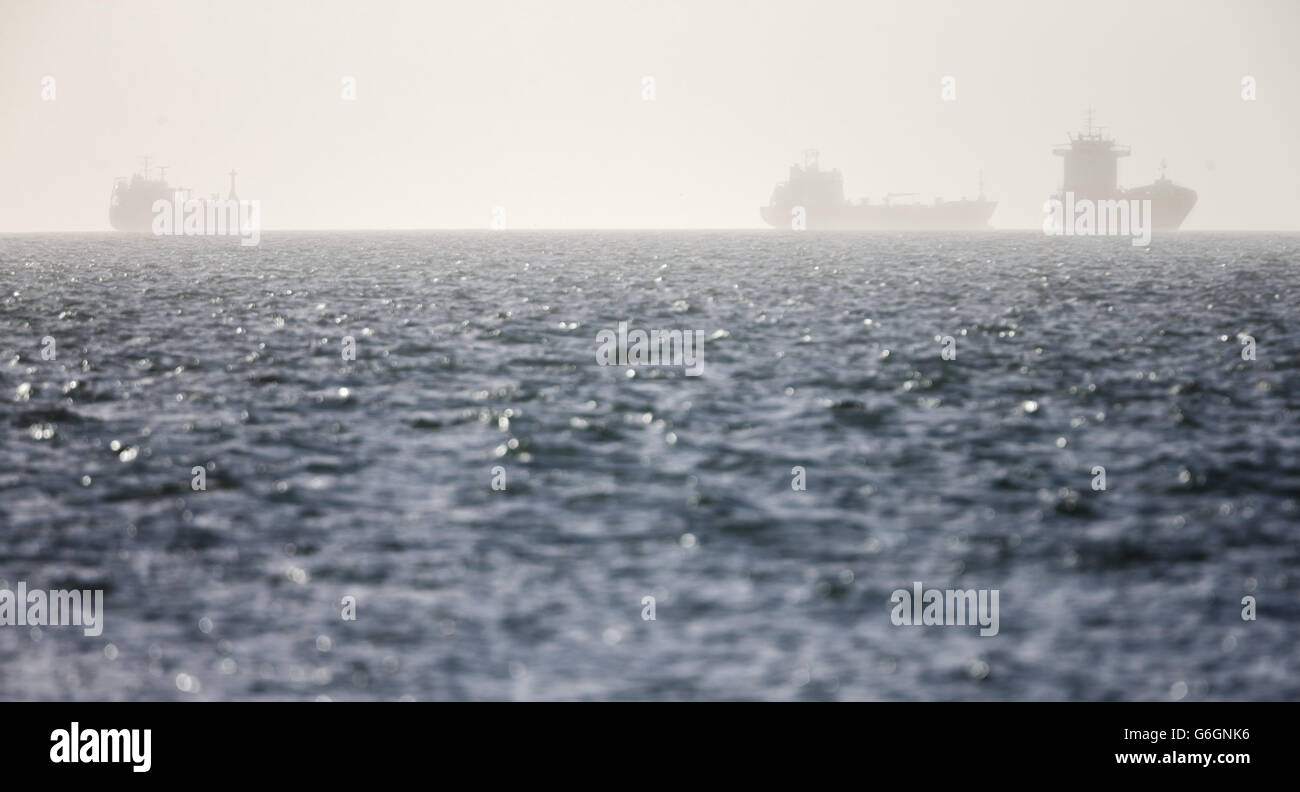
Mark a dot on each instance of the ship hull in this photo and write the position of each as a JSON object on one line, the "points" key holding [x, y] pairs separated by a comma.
{"points": [[949, 216], [137, 221], [1170, 203]]}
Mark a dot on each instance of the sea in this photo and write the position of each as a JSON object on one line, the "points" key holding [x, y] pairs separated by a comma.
{"points": [[392, 465]]}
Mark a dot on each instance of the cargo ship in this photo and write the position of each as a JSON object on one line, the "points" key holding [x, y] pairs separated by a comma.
{"points": [[1092, 172], [130, 206], [813, 198]]}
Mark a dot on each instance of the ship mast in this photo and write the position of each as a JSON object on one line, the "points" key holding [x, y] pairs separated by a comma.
{"points": [[232, 195]]}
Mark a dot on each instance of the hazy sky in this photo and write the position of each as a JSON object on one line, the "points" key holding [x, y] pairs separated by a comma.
{"points": [[537, 107]]}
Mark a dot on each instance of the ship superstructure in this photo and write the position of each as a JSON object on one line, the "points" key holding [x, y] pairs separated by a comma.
{"points": [[130, 207]]}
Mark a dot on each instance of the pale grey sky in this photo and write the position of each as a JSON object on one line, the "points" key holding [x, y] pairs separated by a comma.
{"points": [[537, 106]]}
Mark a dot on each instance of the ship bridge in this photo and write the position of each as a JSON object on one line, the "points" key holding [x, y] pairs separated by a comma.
{"points": [[811, 186], [1091, 162]]}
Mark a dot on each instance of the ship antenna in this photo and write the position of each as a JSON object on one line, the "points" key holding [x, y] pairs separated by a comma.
{"points": [[146, 167], [1090, 121], [810, 159], [233, 174], [162, 172]]}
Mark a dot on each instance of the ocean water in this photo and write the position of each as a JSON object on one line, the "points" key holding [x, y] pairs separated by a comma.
{"points": [[373, 479]]}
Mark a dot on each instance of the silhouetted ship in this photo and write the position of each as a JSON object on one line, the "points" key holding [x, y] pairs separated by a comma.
{"points": [[1092, 171], [814, 198], [130, 207]]}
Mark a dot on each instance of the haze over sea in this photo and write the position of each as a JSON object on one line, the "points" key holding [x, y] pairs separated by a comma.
{"points": [[372, 478]]}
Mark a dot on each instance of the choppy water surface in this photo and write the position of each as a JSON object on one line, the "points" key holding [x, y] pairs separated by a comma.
{"points": [[372, 478]]}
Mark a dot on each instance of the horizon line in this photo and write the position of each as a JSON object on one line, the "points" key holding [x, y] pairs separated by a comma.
{"points": [[781, 231]]}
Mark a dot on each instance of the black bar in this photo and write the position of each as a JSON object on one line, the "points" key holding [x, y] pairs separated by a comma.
{"points": [[329, 742]]}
